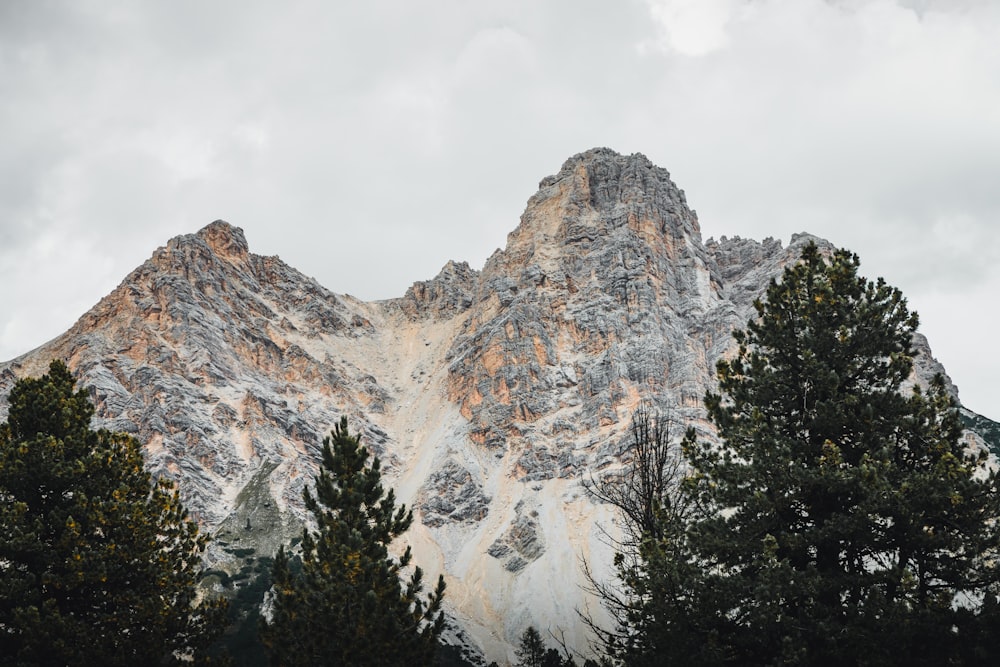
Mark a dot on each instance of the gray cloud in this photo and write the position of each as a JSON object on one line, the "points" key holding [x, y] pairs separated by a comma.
{"points": [[369, 143]]}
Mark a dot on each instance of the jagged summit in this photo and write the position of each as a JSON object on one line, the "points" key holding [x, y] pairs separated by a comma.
{"points": [[451, 291], [610, 172], [600, 193], [489, 395], [215, 241], [225, 239], [609, 218]]}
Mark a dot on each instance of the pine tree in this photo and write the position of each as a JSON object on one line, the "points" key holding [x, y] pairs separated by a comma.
{"points": [[98, 563], [530, 650], [347, 605], [841, 522]]}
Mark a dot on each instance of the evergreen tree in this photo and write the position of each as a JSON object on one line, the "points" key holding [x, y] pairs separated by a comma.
{"points": [[530, 650], [347, 605], [841, 522], [98, 564]]}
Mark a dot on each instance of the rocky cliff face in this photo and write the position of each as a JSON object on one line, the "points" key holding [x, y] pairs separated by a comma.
{"points": [[489, 395]]}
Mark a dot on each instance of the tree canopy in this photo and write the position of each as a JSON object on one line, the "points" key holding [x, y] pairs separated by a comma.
{"points": [[343, 601], [98, 562], [841, 521]]}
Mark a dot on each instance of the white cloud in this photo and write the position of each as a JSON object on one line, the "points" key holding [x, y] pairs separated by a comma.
{"points": [[692, 27]]}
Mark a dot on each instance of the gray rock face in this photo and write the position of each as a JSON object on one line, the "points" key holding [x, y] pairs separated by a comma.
{"points": [[522, 543], [489, 396], [594, 298], [452, 495], [448, 294], [220, 362]]}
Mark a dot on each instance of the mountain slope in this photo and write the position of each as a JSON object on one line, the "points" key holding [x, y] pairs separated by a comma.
{"points": [[490, 395]]}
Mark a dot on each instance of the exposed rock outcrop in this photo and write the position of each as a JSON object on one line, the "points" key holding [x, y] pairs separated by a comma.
{"points": [[452, 495]]}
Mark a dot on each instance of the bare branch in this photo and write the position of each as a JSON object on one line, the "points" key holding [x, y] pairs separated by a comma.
{"points": [[646, 492], [648, 482]]}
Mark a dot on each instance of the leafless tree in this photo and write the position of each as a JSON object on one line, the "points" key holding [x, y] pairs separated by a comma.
{"points": [[647, 485], [647, 494]]}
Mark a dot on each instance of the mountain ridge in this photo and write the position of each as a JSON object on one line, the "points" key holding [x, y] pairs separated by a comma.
{"points": [[490, 395]]}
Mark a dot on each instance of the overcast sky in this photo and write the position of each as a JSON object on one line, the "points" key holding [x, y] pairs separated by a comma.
{"points": [[367, 143]]}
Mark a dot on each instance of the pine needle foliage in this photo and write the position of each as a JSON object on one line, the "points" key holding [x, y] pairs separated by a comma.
{"points": [[98, 562], [842, 521], [530, 649], [347, 604]]}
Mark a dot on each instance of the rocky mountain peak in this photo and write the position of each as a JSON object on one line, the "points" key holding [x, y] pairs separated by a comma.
{"points": [[225, 240], [216, 247], [610, 178], [606, 220]]}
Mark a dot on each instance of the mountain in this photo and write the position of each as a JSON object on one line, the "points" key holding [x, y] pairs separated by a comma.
{"points": [[490, 395]]}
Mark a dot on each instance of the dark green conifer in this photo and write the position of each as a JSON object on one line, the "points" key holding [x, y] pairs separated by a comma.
{"points": [[530, 649], [98, 564], [348, 605], [842, 521]]}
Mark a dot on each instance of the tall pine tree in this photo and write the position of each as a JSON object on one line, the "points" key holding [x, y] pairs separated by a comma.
{"points": [[841, 521], [98, 563], [347, 605]]}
